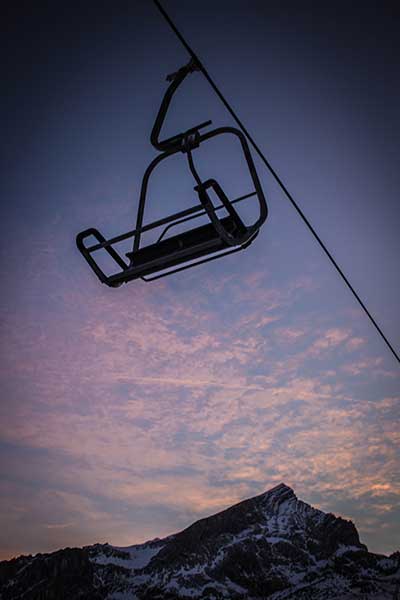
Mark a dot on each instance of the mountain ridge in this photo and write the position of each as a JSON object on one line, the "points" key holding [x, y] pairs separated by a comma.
{"points": [[272, 546]]}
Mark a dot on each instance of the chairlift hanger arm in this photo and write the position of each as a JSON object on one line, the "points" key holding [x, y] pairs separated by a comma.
{"points": [[174, 142]]}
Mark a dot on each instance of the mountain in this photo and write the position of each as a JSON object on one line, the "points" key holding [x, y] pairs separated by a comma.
{"points": [[272, 546]]}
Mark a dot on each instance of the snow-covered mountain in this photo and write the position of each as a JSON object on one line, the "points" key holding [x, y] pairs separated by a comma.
{"points": [[273, 547]]}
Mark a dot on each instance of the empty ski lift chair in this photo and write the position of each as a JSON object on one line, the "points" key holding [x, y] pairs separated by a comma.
{"points": [[219, 237]]}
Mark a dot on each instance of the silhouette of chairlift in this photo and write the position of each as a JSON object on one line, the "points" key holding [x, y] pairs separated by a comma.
{"points": [[219, 237]]}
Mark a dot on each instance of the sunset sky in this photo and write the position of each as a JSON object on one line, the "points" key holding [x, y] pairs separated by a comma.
{"points": [[127, 414]]}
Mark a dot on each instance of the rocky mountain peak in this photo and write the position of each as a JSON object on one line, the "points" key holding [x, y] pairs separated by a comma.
{"points": [[278, 495], [278, 490], [271, 546]]}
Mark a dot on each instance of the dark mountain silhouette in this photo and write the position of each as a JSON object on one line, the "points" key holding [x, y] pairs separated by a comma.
{"points": [[273, 547]]}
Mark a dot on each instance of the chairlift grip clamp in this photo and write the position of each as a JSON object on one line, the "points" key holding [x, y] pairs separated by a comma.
{"points": [[191, 138], [192, 66]]}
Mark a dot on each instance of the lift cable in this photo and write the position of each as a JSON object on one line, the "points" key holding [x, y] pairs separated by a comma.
{"points": [[273, 173]]}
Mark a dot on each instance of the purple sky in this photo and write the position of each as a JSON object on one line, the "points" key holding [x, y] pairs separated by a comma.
{"points": [[127, 414]]}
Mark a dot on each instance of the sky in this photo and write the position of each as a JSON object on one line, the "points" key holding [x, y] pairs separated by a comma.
{"points": [[126, 414]]}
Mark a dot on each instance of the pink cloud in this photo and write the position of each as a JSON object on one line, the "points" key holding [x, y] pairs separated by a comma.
{"points": [[201, 402], [358, 367], [354, 343]]}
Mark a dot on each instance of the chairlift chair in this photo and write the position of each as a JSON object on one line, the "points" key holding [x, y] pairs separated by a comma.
{"points": [[173, 253]]}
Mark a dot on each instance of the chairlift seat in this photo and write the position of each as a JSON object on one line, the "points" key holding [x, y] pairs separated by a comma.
{"points": [[183, 247]]}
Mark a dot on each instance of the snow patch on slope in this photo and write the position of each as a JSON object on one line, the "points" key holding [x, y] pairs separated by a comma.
{"points": [[137, 557]]}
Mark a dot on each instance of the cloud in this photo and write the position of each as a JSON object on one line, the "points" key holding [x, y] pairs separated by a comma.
{"points": [[140, 413], [360, 366], [328, 339], [355, 343]]}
